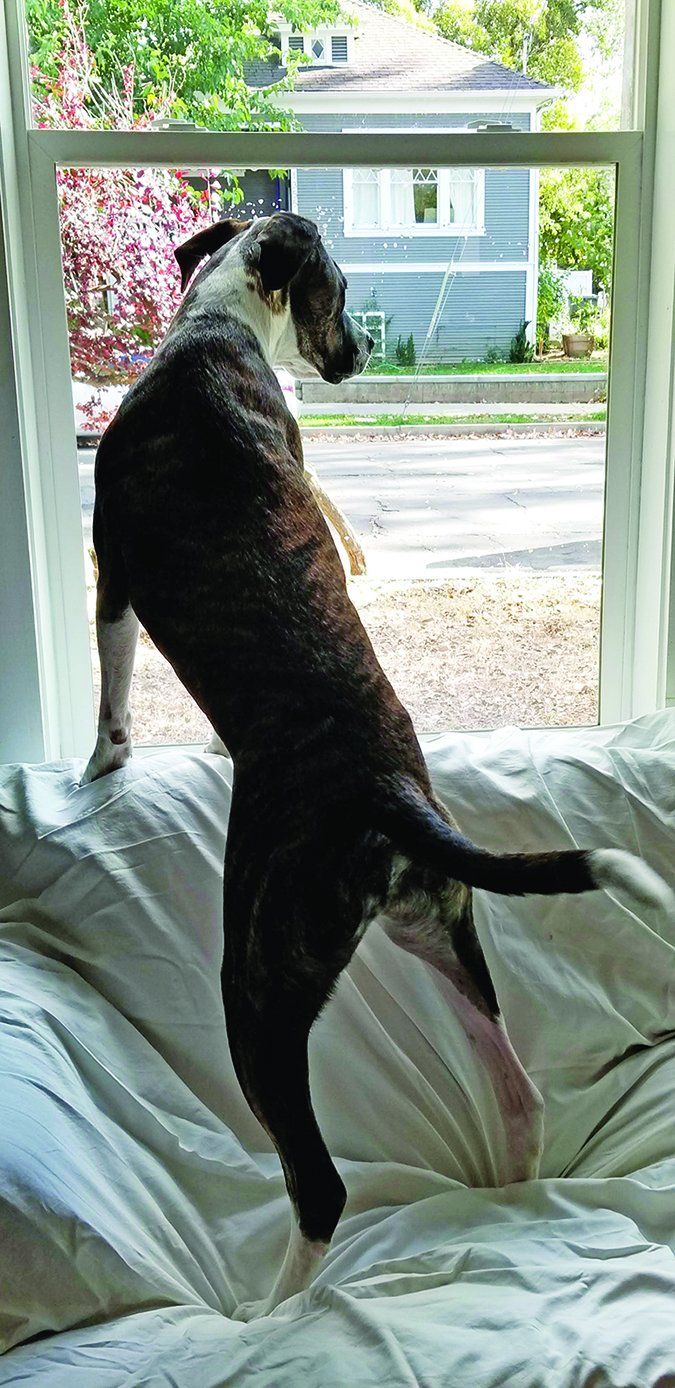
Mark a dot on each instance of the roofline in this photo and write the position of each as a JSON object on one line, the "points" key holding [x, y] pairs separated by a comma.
{"points": [[360, 101]]}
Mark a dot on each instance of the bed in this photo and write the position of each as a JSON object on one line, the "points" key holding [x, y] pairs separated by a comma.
{"points": [[139, 1199]]}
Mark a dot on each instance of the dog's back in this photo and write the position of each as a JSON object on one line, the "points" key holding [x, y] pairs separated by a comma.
{"points": [[231, 567]]}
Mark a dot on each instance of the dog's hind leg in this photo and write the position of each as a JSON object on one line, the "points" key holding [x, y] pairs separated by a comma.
{"points": [[274, 986], [116, 632], [432, 918]]}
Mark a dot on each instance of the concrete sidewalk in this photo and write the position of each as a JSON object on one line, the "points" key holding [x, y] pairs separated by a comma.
{"points": [[446, 411]]}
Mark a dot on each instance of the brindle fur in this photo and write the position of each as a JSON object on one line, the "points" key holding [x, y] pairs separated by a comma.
{"points": [[206, 528]]}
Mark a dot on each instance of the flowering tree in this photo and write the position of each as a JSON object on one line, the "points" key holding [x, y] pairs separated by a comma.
{"points": [[116, 64], [119, 228]]}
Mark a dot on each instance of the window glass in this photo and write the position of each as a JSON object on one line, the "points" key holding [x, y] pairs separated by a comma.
{"points": [[468, 459], [366, 197], [303, 64]]}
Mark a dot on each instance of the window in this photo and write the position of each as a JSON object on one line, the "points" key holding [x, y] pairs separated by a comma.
{"points": [[414, 197], [322, 48], [422, 201], [365, 184]]}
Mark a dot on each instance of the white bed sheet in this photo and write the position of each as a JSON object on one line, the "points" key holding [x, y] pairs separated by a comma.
{"points": [[139, 1199]]}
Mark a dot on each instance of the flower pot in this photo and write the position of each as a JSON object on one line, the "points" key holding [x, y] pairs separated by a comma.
{"points": [[578, 344]]}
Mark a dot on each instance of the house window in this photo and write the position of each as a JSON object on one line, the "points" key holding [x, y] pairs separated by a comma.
{"points": [[321, 48], [366, 197], [338, 48], [414, 197], [423, 201]]}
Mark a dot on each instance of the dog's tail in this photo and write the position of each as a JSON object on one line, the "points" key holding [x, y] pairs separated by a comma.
{"points": [[415, 828]]}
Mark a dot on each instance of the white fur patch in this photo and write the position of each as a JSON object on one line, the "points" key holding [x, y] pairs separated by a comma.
{"points": [[615, 870]]}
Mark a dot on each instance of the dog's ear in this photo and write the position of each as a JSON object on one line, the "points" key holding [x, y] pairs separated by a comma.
{"points": [[280, 248], [205, 243]]}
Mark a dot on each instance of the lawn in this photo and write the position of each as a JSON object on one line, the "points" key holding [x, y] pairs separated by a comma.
{"points": [[550, 366], [403, 421]]}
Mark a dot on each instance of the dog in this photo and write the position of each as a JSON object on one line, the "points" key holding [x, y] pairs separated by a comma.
{"points": [[207, 530]]}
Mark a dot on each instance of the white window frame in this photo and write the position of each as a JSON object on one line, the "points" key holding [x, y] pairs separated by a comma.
{"points": [[443, 227], [54, 689]]}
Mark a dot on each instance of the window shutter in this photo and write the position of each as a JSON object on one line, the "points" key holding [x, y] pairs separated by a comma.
{"points": [[338, 48]]}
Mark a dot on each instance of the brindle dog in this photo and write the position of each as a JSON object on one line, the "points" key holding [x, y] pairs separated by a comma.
{"points": [[206, 530]]}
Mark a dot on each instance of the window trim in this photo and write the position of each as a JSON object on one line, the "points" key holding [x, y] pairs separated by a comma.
{"points": [[446, 229]]}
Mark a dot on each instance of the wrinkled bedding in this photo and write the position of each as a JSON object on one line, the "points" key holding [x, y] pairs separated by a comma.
{"points": [[139, 1199]]}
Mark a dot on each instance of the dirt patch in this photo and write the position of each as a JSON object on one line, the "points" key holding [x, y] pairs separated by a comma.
{"points": [[479, 651]]}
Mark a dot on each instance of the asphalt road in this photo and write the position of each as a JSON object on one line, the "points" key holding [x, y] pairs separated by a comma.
{"points": [[426, 507]]}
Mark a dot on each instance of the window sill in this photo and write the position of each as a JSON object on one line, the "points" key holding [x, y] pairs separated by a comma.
{"points": [[452, 229]]}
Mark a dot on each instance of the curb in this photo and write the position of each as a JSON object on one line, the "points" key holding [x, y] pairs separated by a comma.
{"points": [[86, 439], [389, 431]]}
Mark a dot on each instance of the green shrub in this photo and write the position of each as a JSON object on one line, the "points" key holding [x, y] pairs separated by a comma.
{"points": [[521, 349], [406, 355], [550, 304], [583, 314]]}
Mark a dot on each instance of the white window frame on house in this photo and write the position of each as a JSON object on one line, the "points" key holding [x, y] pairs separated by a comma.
{"points": [[46, 708], [387, 224]]}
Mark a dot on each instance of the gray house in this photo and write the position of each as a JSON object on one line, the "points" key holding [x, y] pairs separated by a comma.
{"points": [[449, 255]]}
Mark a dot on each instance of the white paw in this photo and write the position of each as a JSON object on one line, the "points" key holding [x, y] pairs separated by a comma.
{"points": [[216, 746], [251, 1310], [106, 756]]}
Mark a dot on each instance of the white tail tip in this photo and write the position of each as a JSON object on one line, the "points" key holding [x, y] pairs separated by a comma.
{"points": [[615, 870]]}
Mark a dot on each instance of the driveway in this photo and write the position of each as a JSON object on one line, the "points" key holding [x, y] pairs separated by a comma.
{"points": [[427, 507]]}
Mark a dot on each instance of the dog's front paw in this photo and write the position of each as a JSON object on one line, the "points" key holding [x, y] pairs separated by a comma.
{"points": [[216, 746], [106, 756], [251, 1310]]}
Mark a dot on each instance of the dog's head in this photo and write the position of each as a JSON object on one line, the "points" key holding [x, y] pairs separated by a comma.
{"points": [[298, 292]]}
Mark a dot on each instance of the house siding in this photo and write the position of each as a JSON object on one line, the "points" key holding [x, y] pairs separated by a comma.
{"points": [[481, 311]]}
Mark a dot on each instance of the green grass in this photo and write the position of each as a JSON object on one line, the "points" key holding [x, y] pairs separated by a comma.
{"points": [[598, 362], [322, 421]]}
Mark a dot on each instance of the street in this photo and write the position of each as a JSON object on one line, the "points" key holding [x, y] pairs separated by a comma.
{"points": [[426, 507]]}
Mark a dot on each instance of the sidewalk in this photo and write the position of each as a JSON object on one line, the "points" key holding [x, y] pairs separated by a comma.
{"points": [[447, 411]]}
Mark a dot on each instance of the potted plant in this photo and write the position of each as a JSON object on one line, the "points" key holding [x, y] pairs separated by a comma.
{"points": [[578, 339]]}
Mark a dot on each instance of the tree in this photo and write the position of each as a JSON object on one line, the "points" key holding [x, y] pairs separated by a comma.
{"points": [[576, 221], [543, 38], [539, 37], [186, 58], [119, 228], [114, 64]]}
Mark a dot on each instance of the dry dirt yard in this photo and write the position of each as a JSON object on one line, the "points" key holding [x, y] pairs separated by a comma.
{"points": [[478, 651]]}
